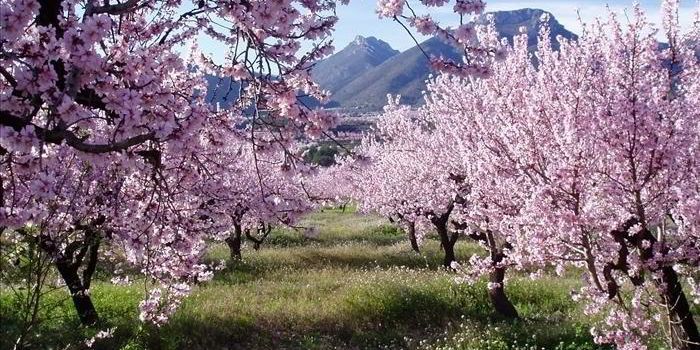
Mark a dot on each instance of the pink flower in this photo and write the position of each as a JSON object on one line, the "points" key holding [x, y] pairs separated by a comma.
{"points": [[424, 24], [465, 33], [389, 8], [469, 7]]}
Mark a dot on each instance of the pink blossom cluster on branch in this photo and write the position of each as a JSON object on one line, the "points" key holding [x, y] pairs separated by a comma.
{"points": [[583, 157], [475, 54], [109, 147], [588, 157]]}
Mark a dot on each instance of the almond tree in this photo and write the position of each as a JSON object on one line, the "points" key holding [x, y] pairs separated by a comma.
{"points": [[107, 137], [411, 171], [264, 191], [105, 132], [587, 157], [401, 176]]}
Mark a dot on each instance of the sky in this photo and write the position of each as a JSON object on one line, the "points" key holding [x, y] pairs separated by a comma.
{"points": [[360, 18]]}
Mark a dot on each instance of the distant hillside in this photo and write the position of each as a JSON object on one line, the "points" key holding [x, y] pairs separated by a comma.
{"points": [[221, 91], [347, 64], [405, 73], [508, 24], [361, 75]]}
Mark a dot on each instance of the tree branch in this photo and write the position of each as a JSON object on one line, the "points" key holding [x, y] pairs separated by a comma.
{"points": [[58, 136]]}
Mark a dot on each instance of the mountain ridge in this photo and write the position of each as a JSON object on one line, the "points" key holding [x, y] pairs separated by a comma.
{"points": [[360, 76], [405, 73], [357, 57]]}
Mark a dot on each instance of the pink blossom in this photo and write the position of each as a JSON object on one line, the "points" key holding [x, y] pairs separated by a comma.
{"points": [[389, 8]]}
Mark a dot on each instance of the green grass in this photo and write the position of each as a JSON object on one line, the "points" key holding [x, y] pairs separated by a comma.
{"points": [[356, 285]]}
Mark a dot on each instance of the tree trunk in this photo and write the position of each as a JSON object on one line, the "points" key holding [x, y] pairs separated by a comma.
{"points": [[80, 293], [234, 242], [449, 248], [257, 242], [448, 244], [447, 240], [497, 292], [684, 331], [83, 305], [498, 296], [68, 261], [411, 230]]}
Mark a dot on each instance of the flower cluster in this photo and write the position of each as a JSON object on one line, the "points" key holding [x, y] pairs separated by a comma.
{"points": [[475, 54], [583, 157], [109, 148]]}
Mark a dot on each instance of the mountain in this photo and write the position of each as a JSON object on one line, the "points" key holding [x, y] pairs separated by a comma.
{"points": [[221, 91], [361, 75], [508, 24], [359, 56], [405, 73]]}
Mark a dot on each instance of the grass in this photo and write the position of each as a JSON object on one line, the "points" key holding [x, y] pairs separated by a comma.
{"points": [[355, 285]]}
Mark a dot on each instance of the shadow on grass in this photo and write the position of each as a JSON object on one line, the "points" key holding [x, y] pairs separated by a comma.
{"points": [[59, 327], [395, 316], [365, 317], [261, 264], [394, 308], [383, 235]]}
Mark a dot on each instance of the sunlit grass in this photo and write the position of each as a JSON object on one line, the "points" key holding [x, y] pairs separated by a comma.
{"points": [[355, 285]]}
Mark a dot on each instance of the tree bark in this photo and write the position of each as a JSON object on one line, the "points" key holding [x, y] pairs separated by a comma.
{"points": [[257, 242], [79, 292], [411, 231], [234, 242], [68, 261], [449, 248], [447, 240], [684, 331], [497, 294]]}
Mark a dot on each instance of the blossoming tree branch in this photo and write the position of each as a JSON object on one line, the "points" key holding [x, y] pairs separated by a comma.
{"points": [[580, 156]]}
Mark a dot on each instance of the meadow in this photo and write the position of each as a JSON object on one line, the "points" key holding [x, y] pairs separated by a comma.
{"points": [[356, 284]]}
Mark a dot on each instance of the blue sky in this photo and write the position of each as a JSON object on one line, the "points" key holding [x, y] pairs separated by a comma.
{"points": [[359, 17]]}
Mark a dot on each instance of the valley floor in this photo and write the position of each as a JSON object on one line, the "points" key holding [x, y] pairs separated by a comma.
{"points": [[357, 285]]}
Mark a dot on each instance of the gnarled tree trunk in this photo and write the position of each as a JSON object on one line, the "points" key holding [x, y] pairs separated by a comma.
{"points": [[68, 262], [80, 294], [264, 231], [447, 239], [411, 231], [497, 293], [234, 242], [684, 331]]}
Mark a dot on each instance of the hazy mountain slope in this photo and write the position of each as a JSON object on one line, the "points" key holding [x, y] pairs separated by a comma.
{"points": [[362, 74], [402, 74], [221, 91], [347, 64], [508, 24], [405, 73]]}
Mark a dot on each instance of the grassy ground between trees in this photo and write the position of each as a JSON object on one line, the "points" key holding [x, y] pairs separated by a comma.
{"points": [[357, 285]]}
